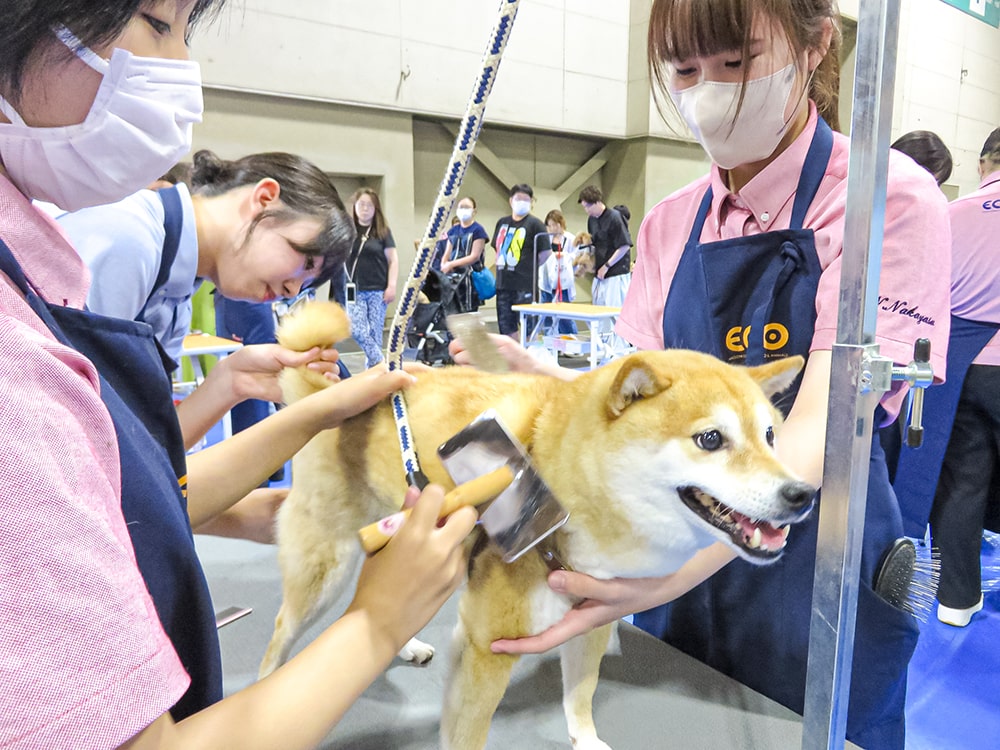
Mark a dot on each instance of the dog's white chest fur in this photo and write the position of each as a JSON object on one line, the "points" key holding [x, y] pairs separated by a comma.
{"points": [[546, 607]]}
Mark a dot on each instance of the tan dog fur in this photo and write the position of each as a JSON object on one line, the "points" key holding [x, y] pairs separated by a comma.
{"points": [[612, 445]]}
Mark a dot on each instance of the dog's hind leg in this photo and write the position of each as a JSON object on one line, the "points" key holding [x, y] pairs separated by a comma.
{"points": [[477, 681], [581, 664], [312, 580]]}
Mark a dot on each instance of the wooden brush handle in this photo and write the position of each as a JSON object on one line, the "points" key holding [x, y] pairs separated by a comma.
{"points": [[376, 535]]}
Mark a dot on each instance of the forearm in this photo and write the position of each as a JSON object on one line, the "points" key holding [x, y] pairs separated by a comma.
{"points": [[705, 563], [618, 254], [293, 708], [801, 439], [222, 474], [206, 405], [393, 268]]}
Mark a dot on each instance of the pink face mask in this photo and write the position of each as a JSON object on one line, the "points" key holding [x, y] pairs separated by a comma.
{"points": [[709, 109]]}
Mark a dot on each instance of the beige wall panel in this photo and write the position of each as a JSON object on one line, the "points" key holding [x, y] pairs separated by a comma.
{"points": [[595, 105], [669, 166], [301, 58], [615, 11], [385, 16], [597, 47], [522, 95], [432, 87], [537, 36], [947, 82], [422, 57]]}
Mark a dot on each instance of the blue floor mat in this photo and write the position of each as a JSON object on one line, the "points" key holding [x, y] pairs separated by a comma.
{"points": [[953, 689]]}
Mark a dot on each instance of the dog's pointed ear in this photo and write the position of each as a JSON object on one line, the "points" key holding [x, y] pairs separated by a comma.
{"points": [[777, 375], [635, 380]]}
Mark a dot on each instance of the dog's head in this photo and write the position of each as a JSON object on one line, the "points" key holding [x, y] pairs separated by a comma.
{"points": [[694, 438]]}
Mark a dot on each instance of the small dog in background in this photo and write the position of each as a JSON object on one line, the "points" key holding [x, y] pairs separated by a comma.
{"points": [[655, 455], [583, 262]]}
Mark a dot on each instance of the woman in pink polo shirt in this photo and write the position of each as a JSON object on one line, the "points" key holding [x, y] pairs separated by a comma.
{"points": [[97, 98], [745, 264]]}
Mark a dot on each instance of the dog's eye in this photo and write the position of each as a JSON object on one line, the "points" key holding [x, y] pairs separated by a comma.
{"points": [[769, 436], [710, 440]]}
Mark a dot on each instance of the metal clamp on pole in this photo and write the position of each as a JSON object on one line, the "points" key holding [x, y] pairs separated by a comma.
{"points": [[918, 374], [878, 373]]}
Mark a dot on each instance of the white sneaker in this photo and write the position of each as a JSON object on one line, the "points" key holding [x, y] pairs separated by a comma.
{"points": [[958, 617]]}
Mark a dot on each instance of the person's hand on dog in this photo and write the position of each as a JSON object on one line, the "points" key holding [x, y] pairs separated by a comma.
{"points": [[331, 406], [402, 586], [253, 370], [518, 358], [604, 601]]}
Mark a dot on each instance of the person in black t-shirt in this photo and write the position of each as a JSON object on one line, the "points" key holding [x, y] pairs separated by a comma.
{"points": [[372, 267], [522, 244], [612, 254]]}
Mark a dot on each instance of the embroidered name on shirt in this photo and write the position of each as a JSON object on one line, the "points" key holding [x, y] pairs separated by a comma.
{"points": [[901, 307]]}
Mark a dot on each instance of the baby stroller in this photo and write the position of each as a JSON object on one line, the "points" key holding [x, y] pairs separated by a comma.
{"points": [[427, 335]]}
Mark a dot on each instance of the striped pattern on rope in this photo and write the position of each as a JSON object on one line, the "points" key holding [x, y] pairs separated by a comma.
{"points": [[468, 133]]}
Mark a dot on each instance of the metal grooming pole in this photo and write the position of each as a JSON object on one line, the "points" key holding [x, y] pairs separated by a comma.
{"points": [[858, 377]]}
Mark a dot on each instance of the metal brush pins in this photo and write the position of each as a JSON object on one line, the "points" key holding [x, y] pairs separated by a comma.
{"points": [[908, 579]]}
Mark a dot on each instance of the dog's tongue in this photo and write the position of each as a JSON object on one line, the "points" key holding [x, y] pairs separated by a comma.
{"points": [[770, 536]]}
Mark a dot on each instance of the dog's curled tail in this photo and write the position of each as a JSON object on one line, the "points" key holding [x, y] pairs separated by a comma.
{"points": [[320, 324]]}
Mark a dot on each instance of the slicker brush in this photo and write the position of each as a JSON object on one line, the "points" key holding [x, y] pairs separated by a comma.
{"points": [[908, 579]]}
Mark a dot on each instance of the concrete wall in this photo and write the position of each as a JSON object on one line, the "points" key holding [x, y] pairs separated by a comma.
{"points": [[422, 57]]}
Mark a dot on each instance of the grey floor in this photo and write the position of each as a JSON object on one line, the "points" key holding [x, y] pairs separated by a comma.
{"points": [[647, 691]]}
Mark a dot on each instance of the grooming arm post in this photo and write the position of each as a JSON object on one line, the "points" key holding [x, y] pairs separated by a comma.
{"points": [[849, 424]]}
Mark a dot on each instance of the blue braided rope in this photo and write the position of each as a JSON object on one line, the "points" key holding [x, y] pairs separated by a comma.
{"points": [[461, 155]]}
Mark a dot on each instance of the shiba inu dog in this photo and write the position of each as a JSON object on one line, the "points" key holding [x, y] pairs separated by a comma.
{"points": [[655, 455]]}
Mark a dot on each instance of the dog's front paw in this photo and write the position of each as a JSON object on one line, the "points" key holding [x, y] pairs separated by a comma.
{"points": [[416, 652]]}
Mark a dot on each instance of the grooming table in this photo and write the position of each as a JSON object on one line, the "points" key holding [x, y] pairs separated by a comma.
{"points": [[592, 315], [650, 695]]}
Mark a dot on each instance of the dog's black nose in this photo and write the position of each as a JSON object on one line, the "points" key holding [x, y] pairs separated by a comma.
{"points": [[797, 495]]}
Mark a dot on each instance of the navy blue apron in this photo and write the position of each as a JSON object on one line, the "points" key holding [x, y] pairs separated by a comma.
{"points": [[746, 300], [173, 223], [152, 503], [919, 468]]}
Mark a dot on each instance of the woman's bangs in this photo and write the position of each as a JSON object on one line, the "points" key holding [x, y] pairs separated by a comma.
{"points": [[697, 28]]}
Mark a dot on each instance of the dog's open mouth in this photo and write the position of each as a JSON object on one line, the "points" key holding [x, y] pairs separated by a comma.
{"points": [[756, 537]]}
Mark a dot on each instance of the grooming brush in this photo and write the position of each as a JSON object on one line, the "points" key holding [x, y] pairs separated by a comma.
{"points": [[908, 580]]}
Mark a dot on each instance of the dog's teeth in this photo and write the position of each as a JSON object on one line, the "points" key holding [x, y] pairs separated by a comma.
{"points": [[754, 542], [784, 531]]}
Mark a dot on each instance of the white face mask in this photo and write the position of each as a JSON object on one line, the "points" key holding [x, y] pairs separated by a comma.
{"points": [[464, 214], [708, 108], [139, 126], [521, 208]]}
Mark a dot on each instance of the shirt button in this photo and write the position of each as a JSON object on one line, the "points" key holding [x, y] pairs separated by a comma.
{"points": [[765, 216]]}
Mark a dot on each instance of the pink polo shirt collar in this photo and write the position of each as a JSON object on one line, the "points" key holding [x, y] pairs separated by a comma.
{"points": [[57, 275], [772, 188]]}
